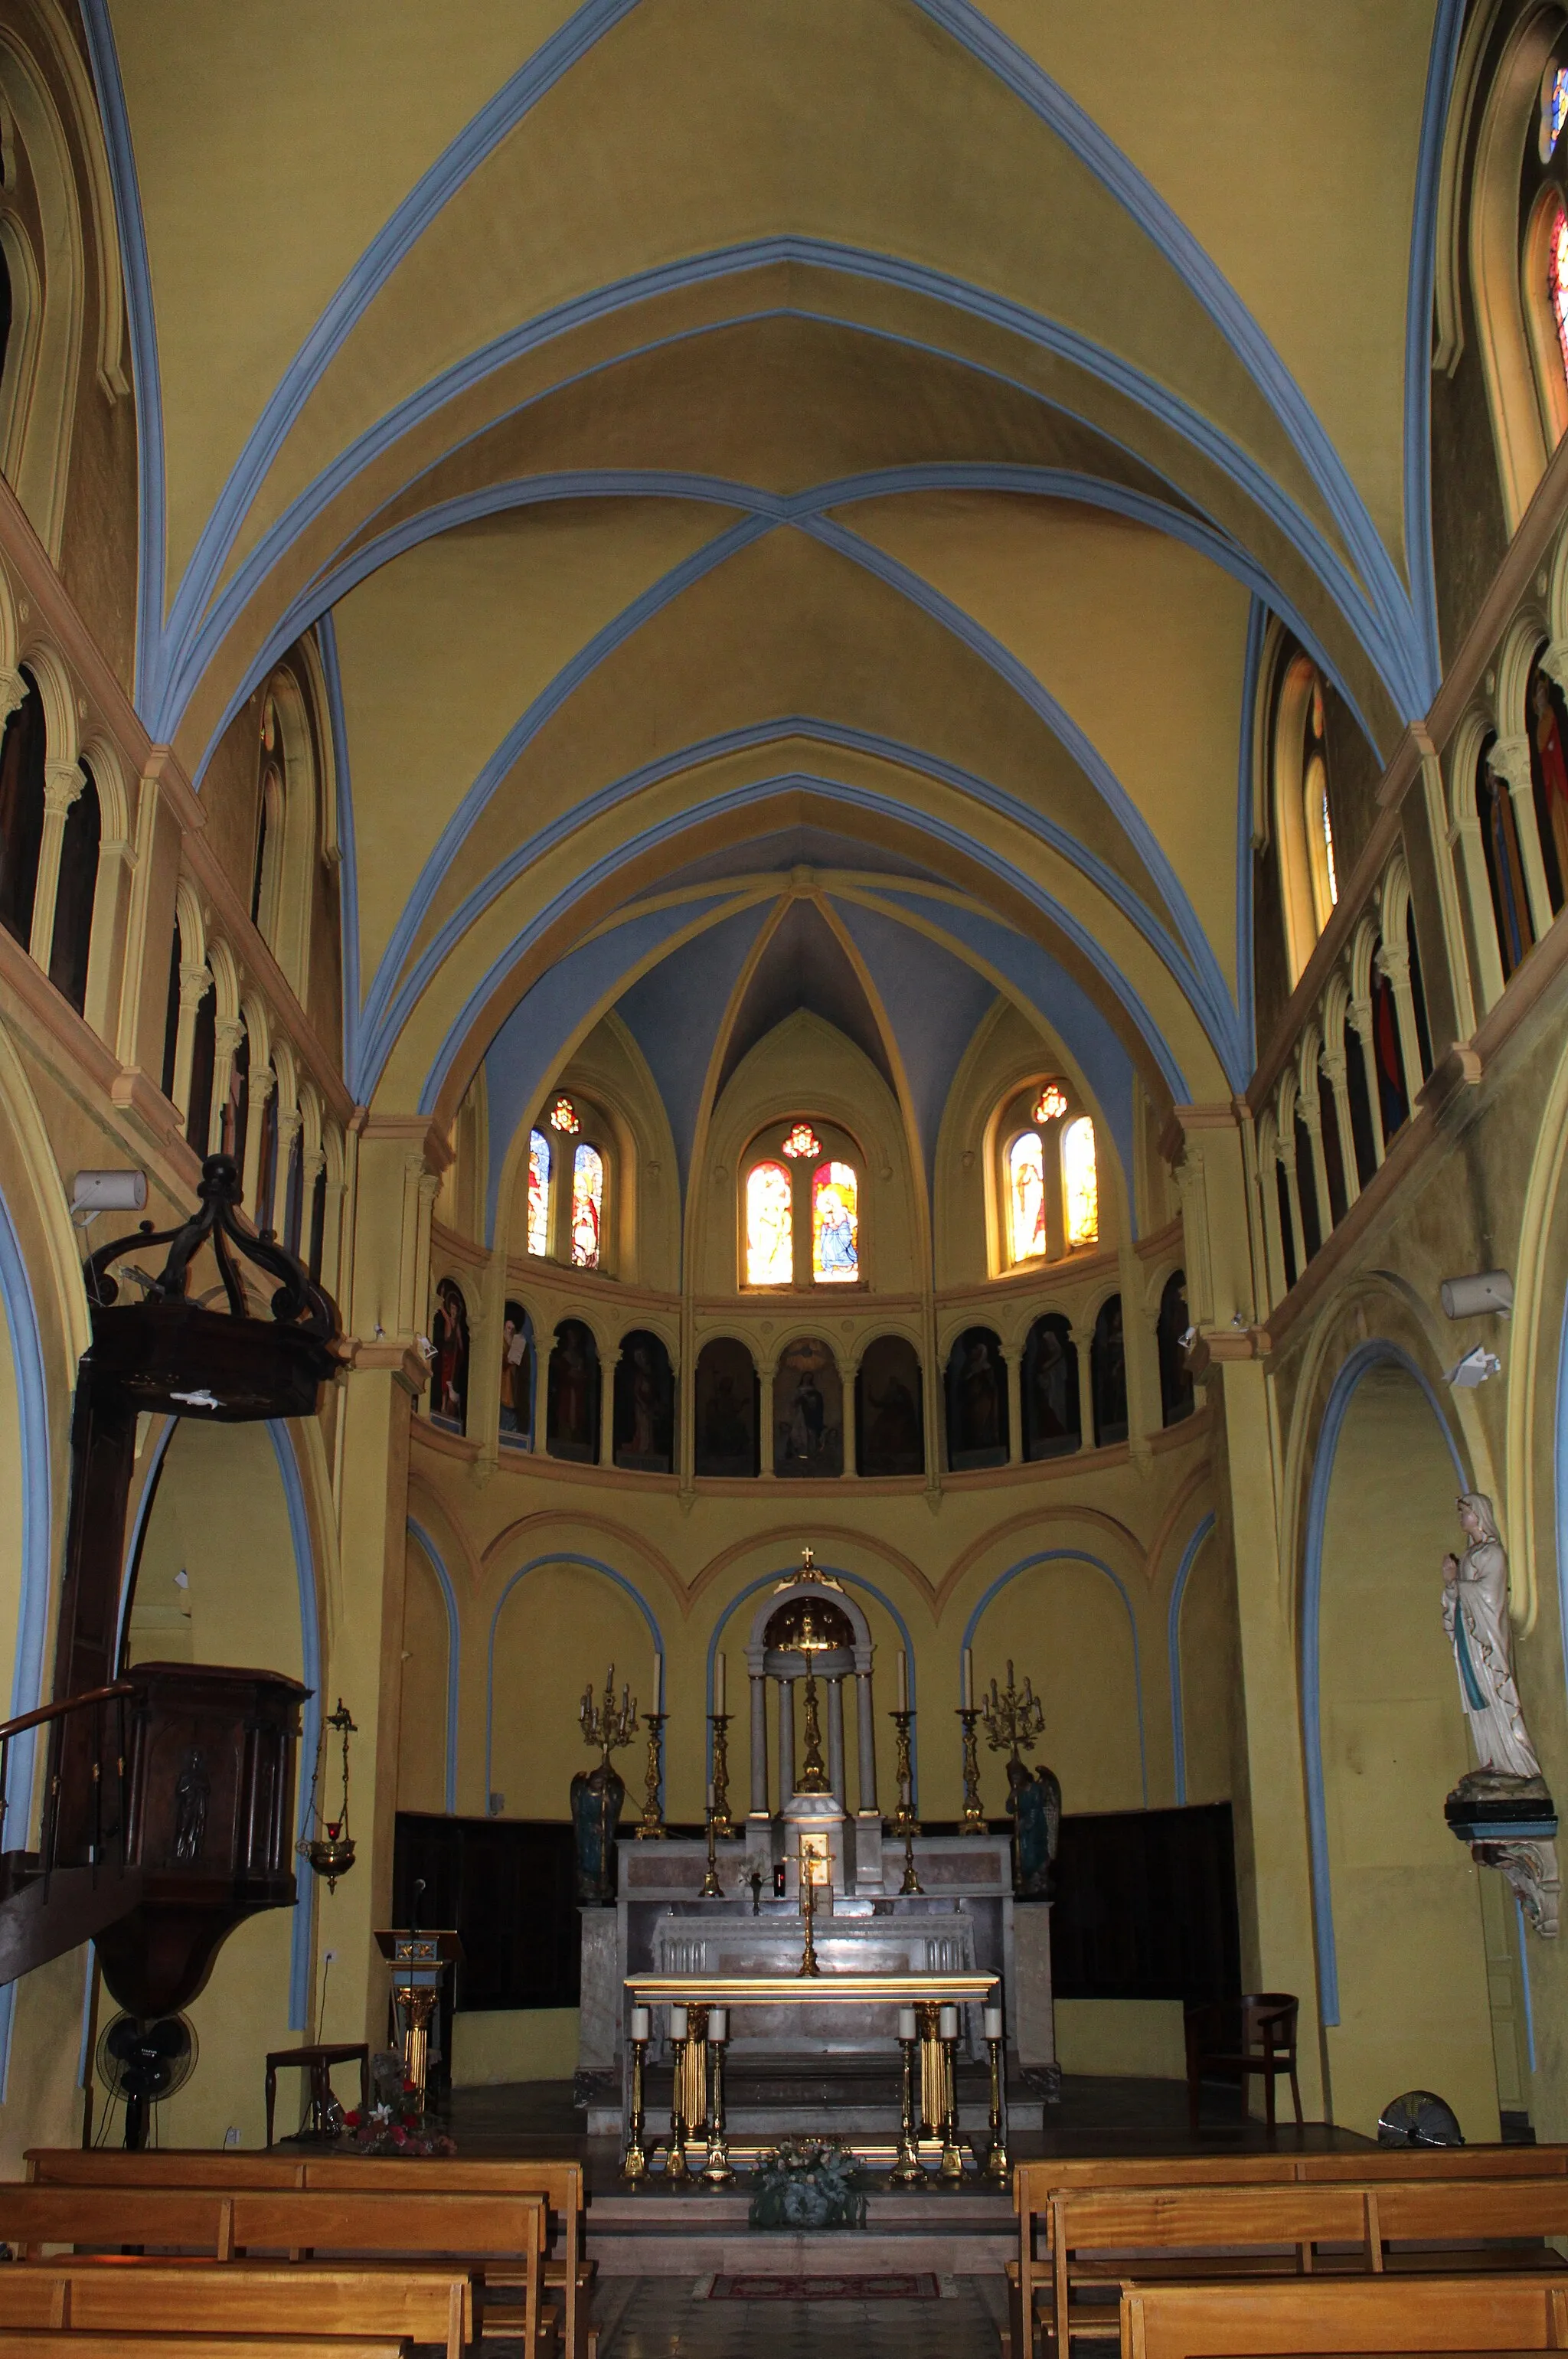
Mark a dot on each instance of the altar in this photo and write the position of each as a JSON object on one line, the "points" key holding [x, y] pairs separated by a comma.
{"points": [[667, 1924]]}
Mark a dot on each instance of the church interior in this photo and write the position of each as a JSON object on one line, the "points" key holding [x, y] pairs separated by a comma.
{"points": [[783, 1177]]}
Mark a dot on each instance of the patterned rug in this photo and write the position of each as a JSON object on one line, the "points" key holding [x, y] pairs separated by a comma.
{"points": [[906, 2285]]}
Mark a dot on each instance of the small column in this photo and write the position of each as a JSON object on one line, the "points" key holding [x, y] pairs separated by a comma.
{"points": [[1335, 1066], [607, 1367], [195, 983], [1012, 1377], [1393, 958], [1285, 1153], [291, 1122], [1311, 1107], [1509, 762], [263, 1081], [758, 1746], [1361, 1025], [786, 1740], [835, 1741], [63, 785], [865, 1731]]}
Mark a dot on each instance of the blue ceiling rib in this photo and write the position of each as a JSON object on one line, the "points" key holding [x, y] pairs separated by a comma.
{"points": [[376, 1049], [336, 579], [1387, 632], [404, 226], [151, 527], [1165, 229], [348, 857], [883, 806]]}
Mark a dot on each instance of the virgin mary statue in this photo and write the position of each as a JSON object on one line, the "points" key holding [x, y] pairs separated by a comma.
{"points": [[1476, 1617]]}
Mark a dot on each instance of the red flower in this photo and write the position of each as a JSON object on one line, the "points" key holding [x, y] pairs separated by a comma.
{"points": [[399, 2135], [351, 2121]]}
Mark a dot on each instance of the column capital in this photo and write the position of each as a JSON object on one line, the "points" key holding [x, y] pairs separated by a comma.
{"points": [[12, 692], [1335, 1066], [1509, 759], [195, 983], [1554, 663], [1360, 1014], [228, 1031], [63, 785], [1394, 961]]}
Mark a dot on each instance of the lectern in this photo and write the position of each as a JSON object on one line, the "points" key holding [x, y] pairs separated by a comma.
{"points": [[417, 1961]]}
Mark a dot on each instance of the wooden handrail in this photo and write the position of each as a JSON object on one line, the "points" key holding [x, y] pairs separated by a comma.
{"points": [[9, 1728]]}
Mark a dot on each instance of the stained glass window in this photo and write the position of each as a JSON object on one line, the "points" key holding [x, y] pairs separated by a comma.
{"points": [[538, 1192], [1557, 278], [564, 1117], [1554, 109], [587, 1206], [1318, 786], [836, 1224], [769, 1244], [1080, 1182], [1026, 1195], [803, 1140], [1050, 1102]]}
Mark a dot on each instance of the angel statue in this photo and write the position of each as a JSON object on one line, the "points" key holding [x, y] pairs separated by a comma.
{"points": [[1476, 1617]]}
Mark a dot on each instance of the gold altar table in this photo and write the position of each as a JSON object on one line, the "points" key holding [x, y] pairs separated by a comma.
{"points": [[697, 1992]]}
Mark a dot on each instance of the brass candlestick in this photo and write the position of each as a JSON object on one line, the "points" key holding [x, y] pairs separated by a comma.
{"points": [[634, 2162], [904, 1820], [678, 2167], [1012, 1720], [997, 2163], [716, 2171], [909, 2171], [712, 1890], [719, 1723], [951, 2166], [651, 1823], [912, 1883], [809, 1910], [974, 1821]]}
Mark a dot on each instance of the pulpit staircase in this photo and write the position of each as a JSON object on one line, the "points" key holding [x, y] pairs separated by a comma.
{"points": [[48, 1906]]}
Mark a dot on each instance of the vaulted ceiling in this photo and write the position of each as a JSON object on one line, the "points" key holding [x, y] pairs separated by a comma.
{"points": [[694, 422]]}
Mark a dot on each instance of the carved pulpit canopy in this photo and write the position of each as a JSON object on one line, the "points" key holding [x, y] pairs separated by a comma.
{"points": [[170, 1353]]}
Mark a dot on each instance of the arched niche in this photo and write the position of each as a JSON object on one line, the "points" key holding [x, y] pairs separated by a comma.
{"points": [[558, 1626], [223, 1518], [1067, 1621], [1402, 1964]]}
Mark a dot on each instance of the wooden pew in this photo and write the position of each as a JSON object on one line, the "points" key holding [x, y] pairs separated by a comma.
{"points": [[107, 2296], [59, 2342], [569, 2273], [1039, 2179], [480, 2229], [1263, 2316]]}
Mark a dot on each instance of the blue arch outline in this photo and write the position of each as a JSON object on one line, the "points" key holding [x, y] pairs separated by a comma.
{"points": [[348, 855], [738, 798], [453, 1654], [1447, 25], [535, 1565], [37, 1549], [311, 1652], [1173, 1644], [1251, 680], [854, 1580], [1073, 1556], [1378, 1351]]}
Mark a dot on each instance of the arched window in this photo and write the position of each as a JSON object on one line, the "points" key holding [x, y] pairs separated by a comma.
{"points": [[587, 1206], [1548, 729], [1079, 1183], [22, 755], [770, 1233], [75, 892], [1302, 809], [449, 1365], [538, 1192], [1026, 1196], [836, 1224], [1176, 1399]]}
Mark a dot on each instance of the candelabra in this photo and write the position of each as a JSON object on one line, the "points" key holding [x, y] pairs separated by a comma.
{"points": [[911, 1884], [607, 1724], [904, 1819], [909, 2171], [974, 1821], [716, 2171], [634, 2162], [951, 2166], [719, 1723], [808, 1912], [712, 1890], [998, 2165], [1013, 1721], [652, 1820], [678, 2167]]}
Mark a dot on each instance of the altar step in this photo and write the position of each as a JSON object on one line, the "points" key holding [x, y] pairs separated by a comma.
{"points": [[655, 2231]]}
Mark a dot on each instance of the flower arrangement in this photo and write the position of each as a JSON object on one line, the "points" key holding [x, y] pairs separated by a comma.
{"points": [[807, 2183], [395, 2124]]}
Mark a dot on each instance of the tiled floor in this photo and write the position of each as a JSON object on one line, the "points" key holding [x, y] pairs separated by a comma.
{"points": [[671, 2318]]}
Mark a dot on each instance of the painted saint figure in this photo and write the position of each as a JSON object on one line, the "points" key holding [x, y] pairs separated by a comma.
{"points": [[1476, 1617]]}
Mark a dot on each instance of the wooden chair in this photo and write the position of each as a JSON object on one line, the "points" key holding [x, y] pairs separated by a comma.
{"points": [[1261, 2029], [318, 2061], [1262, 2317], [424, 2305]]}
